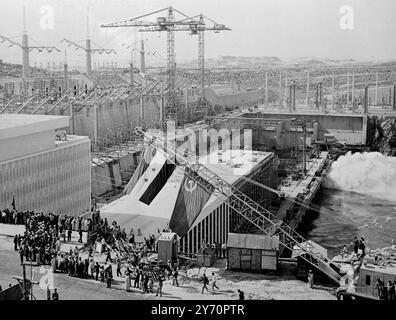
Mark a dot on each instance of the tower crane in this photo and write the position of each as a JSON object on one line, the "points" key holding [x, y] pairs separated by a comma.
{"points": [[167, 24], [240, 203], [199, 29]]}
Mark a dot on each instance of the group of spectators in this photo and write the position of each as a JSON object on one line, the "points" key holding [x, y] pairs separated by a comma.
{"points": [[43, 233], [219, 249]]}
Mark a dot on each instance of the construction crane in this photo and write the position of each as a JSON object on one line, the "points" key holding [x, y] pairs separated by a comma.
{"points": [[260, 217], [167, 24], [199, 29]]}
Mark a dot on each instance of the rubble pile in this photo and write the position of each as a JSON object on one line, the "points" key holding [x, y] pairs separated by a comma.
{"points": [[382, 257], [385, 137]]}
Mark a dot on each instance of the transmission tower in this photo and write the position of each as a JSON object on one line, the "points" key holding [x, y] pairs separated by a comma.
{"points": [[88, 50], [26, 49]]}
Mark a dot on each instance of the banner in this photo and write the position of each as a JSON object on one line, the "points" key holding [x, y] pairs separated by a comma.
{"points": [[190, 201]]}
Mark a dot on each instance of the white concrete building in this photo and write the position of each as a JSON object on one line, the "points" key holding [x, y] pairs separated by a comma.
{"points": [[45, 172], [153, 200]]}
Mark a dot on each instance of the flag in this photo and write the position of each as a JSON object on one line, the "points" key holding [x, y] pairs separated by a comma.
{"points": [[144, 163], [158, 183], [13, 202], [190, 201]]}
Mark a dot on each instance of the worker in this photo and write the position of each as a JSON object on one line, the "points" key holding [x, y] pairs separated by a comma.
{"points": [[310, 279]]}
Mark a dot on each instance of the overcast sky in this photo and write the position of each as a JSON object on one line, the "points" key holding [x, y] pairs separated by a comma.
{"points": [[282, 28]]}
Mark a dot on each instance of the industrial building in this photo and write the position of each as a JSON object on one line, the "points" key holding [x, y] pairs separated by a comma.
{"points": [[44, 170]]}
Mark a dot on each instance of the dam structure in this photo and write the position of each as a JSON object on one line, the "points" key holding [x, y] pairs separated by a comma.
{"points": [[203, 156]]}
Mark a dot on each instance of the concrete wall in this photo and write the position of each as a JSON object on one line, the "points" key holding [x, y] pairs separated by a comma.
{"points": [[108, 176], [236, 100], [352, 129], [115, 115]]}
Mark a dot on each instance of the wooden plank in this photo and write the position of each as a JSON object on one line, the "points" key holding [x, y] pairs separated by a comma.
{"points": [[256, 259]]}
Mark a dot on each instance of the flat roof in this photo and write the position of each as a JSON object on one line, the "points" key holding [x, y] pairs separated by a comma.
{"points": [[15, 125], [234, 163]]}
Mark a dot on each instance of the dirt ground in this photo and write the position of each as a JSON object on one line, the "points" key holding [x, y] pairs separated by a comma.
{"points": [[255, 286]]}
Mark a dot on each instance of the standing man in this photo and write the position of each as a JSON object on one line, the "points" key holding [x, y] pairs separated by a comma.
{"points": [[16, 242], [362, 246], [175, 275], [310, 279], [21, 254], [224, 249], [97, 267], [241, 295], [355, 245], [109, 276], [160, 284], [137, 279], [119, 274]]}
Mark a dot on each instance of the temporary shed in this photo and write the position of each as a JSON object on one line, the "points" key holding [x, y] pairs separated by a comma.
{"points": [[252, 252], [167, 247]]}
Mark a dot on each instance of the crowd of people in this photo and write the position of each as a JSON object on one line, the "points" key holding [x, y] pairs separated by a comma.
{"points": [[220, 250], [44, 234]]}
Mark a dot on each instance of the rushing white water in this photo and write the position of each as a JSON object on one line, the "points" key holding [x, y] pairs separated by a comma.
{"points": [[369, 173]]}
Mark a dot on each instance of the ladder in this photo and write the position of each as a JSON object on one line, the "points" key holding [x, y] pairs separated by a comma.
{"points": [[263, 219]]}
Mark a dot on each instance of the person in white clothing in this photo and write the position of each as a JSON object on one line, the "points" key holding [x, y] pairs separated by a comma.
{"points": [[214, 280]]}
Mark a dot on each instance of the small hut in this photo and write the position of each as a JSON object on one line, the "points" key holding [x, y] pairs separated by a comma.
{"points": [[252, 252], [167, 247]]}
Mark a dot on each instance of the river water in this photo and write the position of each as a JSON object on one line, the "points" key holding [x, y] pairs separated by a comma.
{"points": [[359, 200]]}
